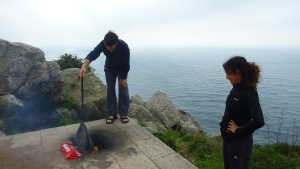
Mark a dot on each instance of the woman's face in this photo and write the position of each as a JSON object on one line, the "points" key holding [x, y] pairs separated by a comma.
{"points": [[234, 77]]}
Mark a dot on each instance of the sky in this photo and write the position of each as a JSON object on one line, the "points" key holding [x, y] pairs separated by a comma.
{"points": [[153, 23]]}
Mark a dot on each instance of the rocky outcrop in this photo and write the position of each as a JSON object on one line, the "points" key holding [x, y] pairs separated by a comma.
{"points": [[29, 85], [159, 113], [34, 93], [163, 109], [16, 62]]}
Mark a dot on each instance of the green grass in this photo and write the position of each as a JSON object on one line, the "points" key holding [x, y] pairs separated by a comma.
{"points": [[142, 123], [205, 152], [275, 156], [64, 121], [69, 104], [170, 138]]}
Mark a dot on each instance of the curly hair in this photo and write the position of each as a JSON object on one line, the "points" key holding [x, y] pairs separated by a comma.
{"points": [[249, 70]]}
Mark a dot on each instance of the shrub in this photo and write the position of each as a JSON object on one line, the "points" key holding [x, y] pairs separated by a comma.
{"points": [[71, 61]]}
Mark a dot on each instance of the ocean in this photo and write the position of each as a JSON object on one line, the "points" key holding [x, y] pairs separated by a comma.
{"points": [[195, 82]]}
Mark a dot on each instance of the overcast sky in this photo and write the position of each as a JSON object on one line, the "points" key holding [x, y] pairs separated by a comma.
{"points": [[152, 23]]}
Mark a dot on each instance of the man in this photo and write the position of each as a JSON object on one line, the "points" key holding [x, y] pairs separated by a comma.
{"points": [[116, 66]]}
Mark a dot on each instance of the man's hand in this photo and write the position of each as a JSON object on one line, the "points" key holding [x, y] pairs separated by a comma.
{"points": [[123, 82], [232, 126], [85, 64], [82, 71]]}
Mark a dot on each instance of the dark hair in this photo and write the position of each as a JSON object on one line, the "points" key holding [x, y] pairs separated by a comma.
{"points": [[249, 70], [110, 38]]}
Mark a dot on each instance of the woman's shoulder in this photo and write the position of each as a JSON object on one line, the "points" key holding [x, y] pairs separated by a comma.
{"points": [[250, 93]]}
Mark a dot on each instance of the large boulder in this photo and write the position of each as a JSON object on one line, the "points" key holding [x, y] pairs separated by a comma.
{"points": [[188, 124], [27, 78], [16, 63], [154, 127], [161, 107], [137, 99], [139, 112], [43, 79], [94, 93]]}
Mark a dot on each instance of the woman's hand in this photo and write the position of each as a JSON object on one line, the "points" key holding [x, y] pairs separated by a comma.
{"points": [[232, 126]]}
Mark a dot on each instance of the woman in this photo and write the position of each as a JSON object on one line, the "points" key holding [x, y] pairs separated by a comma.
{"points": [[243, 114]]}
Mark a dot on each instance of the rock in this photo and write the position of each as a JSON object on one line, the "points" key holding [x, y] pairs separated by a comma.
{"points": [[136, 99], [139, 112], [154, 127], [160, 106], [16, 63], [33, 81], [9, 106], [43, 79], [59, 113], [62, 112], [188, 124], [94, 94]]}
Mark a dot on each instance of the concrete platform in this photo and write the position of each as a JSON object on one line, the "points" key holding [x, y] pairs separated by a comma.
{"points": [[128, 146]]}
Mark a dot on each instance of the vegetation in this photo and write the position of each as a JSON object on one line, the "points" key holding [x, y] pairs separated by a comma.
{"points": [[71, 61], [205, 152], [64, 121], [200, 150], [276, 156], [69, 104], [142, 123]]}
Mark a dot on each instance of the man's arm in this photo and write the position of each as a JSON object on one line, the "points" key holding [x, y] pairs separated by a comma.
{"points": [[93, 55]]}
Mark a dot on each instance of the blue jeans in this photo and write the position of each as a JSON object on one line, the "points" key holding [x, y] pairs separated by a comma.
{"points": [[111, 77]]}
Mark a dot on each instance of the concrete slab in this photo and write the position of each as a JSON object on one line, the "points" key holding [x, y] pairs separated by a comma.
{"points": [[136, 133], [52, 131], [30, 138], [131, 159], [154, 148], [174, 161], [125, 146]]}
